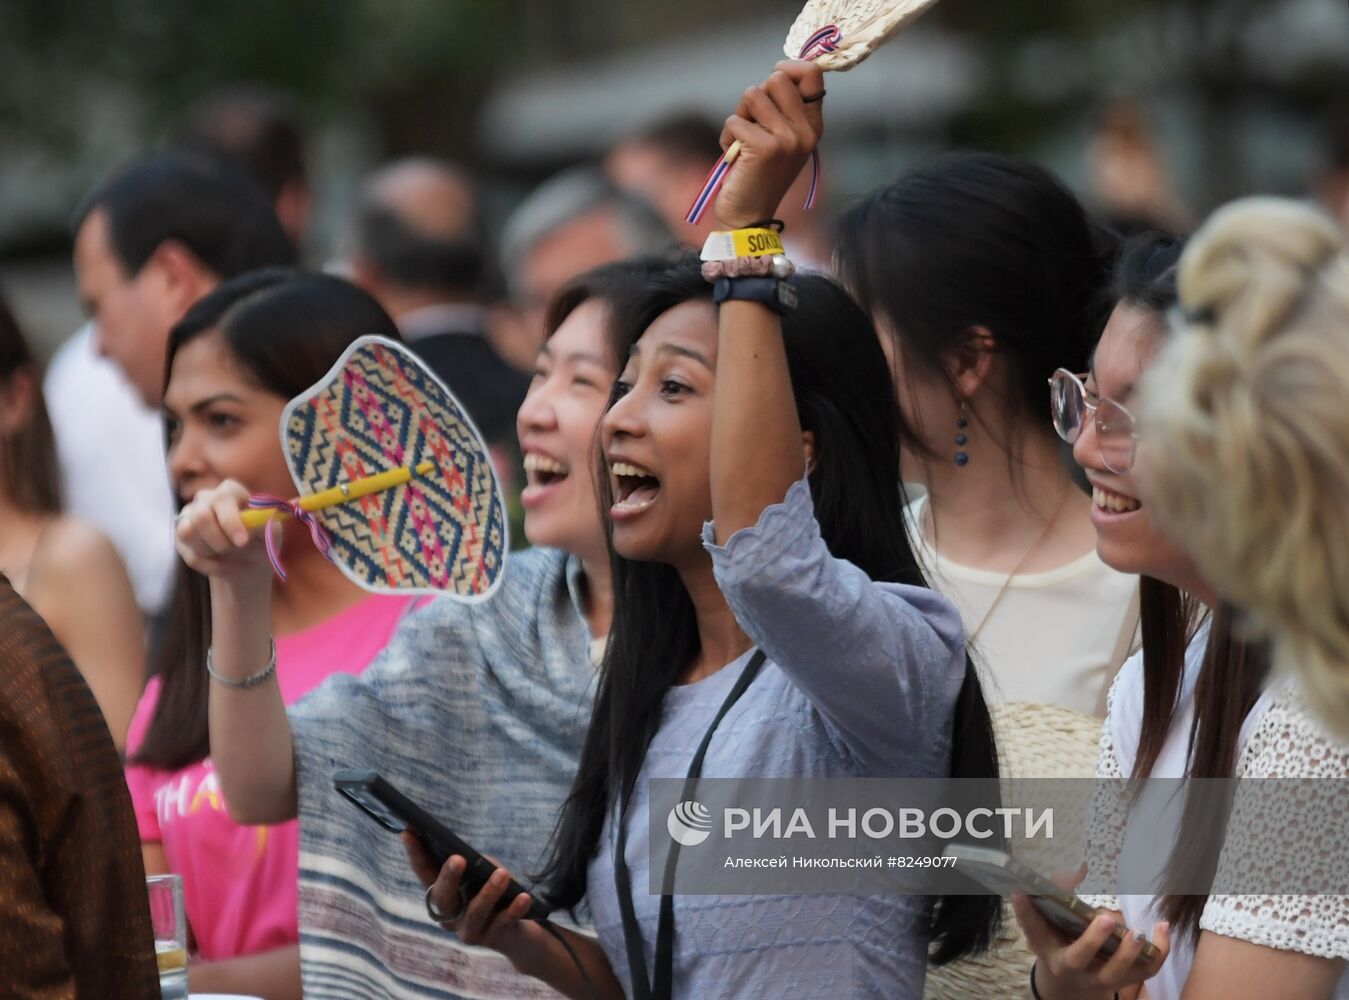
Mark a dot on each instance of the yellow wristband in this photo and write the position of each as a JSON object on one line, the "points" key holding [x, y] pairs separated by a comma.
{"points": [[729, 244]]}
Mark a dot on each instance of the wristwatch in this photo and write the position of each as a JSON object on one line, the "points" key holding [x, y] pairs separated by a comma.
{"points": [[777, 295]]}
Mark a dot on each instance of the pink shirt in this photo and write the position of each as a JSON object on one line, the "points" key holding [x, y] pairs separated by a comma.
{"points": [[240, 882]]}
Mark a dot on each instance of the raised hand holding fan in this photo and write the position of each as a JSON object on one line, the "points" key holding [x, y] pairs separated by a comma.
{"points": [[835, 35]]}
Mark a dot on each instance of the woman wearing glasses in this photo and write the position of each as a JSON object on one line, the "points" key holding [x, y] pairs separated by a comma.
{"points": [[1090, 412], [1194, 703], [982, 276]]}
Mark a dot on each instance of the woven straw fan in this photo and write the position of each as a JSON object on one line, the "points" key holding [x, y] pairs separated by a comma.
{"points": [[836, 35], [863, 27], [394, 481]]}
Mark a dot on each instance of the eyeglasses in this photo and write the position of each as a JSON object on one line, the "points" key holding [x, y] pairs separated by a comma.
{"points": [[1115, 434]]}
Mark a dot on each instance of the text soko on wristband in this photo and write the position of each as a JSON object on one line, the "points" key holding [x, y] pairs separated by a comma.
{"points": [[729, 244]]}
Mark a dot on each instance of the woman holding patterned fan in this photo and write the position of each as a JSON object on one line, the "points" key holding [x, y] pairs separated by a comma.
{"points": [[234, 361], [476, 711]]}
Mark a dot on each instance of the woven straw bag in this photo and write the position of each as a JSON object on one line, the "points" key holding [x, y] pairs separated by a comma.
{"points": [[1034, 741]]}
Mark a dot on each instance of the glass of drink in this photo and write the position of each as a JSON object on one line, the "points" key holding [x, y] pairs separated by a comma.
{"points": [[166, 914]]}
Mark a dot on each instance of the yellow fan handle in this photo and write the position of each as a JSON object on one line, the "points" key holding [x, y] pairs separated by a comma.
{"points": [[344, 493]]}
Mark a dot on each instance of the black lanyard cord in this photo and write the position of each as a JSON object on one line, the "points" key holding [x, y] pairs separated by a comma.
{"points": [[643, 987]]}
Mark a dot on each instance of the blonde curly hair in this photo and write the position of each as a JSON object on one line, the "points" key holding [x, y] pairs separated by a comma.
{"points": [[1245, 427]]}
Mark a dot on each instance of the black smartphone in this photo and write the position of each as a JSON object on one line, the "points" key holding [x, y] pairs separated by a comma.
{"points": [[1002, 873], [396, 812]]}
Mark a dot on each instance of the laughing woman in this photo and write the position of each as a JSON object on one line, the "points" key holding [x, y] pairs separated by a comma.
{"points": [[794, 638], [1198, 701], [477, 712]]}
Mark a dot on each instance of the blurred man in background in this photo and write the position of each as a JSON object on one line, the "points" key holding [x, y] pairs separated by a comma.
{"points": [[149, 242], [154, 239], [573, 222], [256, 130], [1128, 176], [666, 164], [420, 251]]}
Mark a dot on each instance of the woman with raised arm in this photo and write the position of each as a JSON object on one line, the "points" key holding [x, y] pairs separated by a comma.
{"points": [[766, 608]]}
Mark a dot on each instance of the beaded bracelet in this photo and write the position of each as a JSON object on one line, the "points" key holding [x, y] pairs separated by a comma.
{"points": [[252, 680], [776, 266]]}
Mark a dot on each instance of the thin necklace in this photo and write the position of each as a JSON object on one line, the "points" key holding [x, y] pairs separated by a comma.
{"points": [[997, 598]]}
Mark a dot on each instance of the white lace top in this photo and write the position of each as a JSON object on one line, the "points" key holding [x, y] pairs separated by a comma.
{"points": [[1279, 739]]}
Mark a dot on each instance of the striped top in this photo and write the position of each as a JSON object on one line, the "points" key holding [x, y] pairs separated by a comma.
{"points": [[74, 916], [475, 712]]}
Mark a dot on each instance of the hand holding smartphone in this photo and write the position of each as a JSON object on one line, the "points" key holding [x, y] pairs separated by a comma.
{"points": [[1003, 874], [396, 813]]}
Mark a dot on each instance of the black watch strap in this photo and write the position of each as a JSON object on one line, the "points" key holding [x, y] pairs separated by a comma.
{"points": [[776, 294]]}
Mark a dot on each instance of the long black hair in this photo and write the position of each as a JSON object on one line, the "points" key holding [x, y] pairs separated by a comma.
{"points": [[969, 240], [844, 395], [1233, 671], [29, 472], [284, 330]]}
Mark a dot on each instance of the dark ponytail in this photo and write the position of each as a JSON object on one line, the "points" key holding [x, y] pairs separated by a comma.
{"points": [[969, 240]]}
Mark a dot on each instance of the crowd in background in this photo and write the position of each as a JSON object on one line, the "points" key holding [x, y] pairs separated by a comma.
{"points": [[1063, 468]]}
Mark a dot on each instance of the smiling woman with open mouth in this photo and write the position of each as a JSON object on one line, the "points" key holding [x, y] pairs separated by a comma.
{"points": [[635, 489], [766, 624], [503, 688], [1200, 700]]}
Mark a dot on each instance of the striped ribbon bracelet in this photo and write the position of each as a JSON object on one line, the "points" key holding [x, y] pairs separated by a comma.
{"points": [[265, 501], [824, 40]]}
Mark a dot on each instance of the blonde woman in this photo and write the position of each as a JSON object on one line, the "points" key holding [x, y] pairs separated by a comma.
{"points": [[1254, 399]]}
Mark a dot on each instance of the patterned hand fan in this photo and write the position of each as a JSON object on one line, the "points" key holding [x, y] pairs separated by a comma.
{"points": [[394, 481], [836, 34]]}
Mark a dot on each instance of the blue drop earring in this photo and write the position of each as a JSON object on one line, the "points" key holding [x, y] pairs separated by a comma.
{"points": [[962, 439]]}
